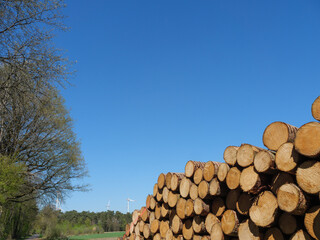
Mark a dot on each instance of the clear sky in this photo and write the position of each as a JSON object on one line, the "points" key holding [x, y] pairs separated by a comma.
{"points": [[161, 82]]}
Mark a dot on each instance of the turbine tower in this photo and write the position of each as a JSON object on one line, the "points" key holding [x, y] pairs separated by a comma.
{"points": [[108, 205], [128, 201], [58, 203]]}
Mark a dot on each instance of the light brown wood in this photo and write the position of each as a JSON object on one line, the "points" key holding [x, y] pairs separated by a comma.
{"points": [[169, 235], [216, 188], [193, 191], [165, 210], [312, 222], [230, 155], [159, 196], [179, 237], [168, 180], [198, 176], [157, 211], [189, 208], [264, 162], [274, 234], [155, 190], [278, 133], [233, 178], [180, 208], [287, 223], [223, 171], [232, 198], [164, 227], [192, 166], [218, 206], [148, 199], [155, 226], [198, 225], [165, 194], [187, 230], [161, 180], [200, 207], [264, 209], [175, 181], [211, 219], [141, 225], [287, 158], [205, 237], [280, 179], [251, 181], [210, 170], [144, 214], [315, 109], [152, 203], [185, 185], [308, 176], [307, 141], [203, 190], [151, 216], [300, 235], [157, 236], [244, 203], [173, 199], [216, 232], [248, 231], [291, 199], [246, 154], [146, 230], [230, 223], [135, 216], [176, 225]]}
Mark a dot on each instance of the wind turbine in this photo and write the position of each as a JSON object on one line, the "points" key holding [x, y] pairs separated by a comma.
{"points": [[108, 205], [128, 201]]}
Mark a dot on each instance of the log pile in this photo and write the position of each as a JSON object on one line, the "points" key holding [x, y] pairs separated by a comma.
{"points": [[265, 194]]}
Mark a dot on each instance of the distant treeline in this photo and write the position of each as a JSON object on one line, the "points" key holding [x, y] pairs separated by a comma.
{"points": [[74, 223]]}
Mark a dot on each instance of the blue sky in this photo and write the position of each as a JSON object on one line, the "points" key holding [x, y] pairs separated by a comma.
{"points": [[161, 82]]}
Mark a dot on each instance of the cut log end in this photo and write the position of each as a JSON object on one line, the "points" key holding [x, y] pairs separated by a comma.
{"points": [[286, 157], [307, 141], [278, 133], [230, 155], [312, 222], [308, 176], [264, 161], [233, 178], [315, 109], [230, 223]]}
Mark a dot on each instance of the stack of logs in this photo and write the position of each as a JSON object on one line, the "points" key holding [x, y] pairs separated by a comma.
{"points": [[255, 194]]}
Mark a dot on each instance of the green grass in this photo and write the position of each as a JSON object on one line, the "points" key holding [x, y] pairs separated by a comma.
{"points": [[101, 235]]}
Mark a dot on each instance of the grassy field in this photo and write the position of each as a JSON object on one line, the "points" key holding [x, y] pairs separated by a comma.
{"points": [[98, 236]]}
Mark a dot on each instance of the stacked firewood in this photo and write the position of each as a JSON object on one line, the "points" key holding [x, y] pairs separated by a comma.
{"points": [[256, 193]]}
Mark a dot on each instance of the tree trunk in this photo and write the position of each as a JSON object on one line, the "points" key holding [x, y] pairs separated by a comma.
{"points": [[198, 176], [233, 178], [185, 185], [246, 154], [264, 210], [175, 181], [264, 162], [176, 225], [216, 188], [210, 170], [146, 231], [173, 199], [308, 176], [312, 222], [192, 166], [248, 231], [230, 223], [165, 194], [201, 208], [189, 208], [154, 226], [164, 227], [230, 155], [203, 190], [251, 181], [187, 230], [307, 141], [193, 191], [180, 208], [222, 172], [287, 158], [278, 133], [291, 199], [161, 180], [211, 220], [168, 180]]}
